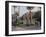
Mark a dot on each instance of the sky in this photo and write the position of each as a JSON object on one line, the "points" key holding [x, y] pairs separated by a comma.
{"points": [[23, 9]]}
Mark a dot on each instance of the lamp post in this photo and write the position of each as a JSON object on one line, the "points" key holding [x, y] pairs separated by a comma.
{"points": [[16, 14], [15, 21]]}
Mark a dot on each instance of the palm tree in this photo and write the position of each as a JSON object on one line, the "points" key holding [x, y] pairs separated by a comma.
{"points": [[30, 16], [30, 8]]}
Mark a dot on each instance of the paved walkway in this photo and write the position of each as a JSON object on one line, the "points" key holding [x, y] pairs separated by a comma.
{"points": [[25, 28]]}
